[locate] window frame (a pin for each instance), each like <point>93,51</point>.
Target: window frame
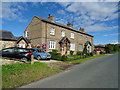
<point>81,37</point>
<point>72,46</point>
<point>72,35</point>
<point>52,31</point>
<point>63,33</point>
<point>52,45</point>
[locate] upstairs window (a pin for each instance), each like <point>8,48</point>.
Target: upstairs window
<point>86,38</point>
<point>26,34</point>
<point>52,31</point>
<point>72,35</point>
<point>81,37</point>
<point>63,33</point>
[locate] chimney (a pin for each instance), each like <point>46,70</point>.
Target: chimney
<point>51,18</point>
<point>69,24</point>
<point>81,29</point>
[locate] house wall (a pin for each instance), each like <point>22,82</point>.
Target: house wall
<point>39,32</point>
<point>6,44</point>
<point>35,31</point>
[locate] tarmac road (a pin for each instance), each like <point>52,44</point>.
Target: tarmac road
<point>97,73</point>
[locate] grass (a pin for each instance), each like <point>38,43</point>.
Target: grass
<point>85,59</point>
<point>18,74</point>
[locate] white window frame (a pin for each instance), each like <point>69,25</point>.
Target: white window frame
<point>26,33</point>
<point>72,46</point>
<point>63,33</point>
<point>71,35</point>
<point>52,31</point>
<point>52,45</point>
<point>22,45</point>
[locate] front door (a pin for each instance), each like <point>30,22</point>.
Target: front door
<point>64,45</point>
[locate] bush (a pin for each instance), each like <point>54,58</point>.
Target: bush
<point>79,53</point>
<point>55,54</point>
<point>71,52</point>
<point>54,51</point>
<point>64,58</point>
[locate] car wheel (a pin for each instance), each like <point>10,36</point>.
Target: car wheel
<point>24,59</point>
<point>38,57</point>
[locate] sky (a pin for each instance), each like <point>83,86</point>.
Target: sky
<point>99,19</point>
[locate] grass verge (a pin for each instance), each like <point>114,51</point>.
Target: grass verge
<point>85,59</point>
<point>19,74</point>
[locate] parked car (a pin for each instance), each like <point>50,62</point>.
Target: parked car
<point>40,54</point>
<point>23,54</point>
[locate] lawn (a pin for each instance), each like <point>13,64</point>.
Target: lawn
<point>19,74</point>
<point>84,59</point>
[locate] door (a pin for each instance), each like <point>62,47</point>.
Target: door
<point>8,52</point>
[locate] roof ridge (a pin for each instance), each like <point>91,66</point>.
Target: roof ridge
<point>5,31</point>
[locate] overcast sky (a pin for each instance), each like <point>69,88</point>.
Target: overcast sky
<point>99,19</point>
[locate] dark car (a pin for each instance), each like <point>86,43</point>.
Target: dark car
<point>23,54</point>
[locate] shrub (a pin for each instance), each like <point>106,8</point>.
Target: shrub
<point>54,50</point>
<point>79,53</point>
<point>64,58</point>
<point>55,54</point>
<point>71,52</point>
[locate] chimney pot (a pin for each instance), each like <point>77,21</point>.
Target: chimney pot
<point>69,24</point>
<point>81,29</point>
<point>51,18</point>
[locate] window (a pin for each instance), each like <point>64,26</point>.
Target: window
<point>81,37</point>
<point>22,50</point>
<point>52,31</point>
<point>86,38</point>
<point>26,34</point>
<point>63,33</point>
<point>72,35</point>
<point>8,50</point>
<point>22,45</point>
<point>80,47</point>
<point>52,44</point>
<point>72,46</point>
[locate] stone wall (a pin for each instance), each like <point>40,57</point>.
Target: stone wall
<point>6,44</point>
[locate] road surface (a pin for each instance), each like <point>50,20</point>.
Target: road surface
<point>97,73</point>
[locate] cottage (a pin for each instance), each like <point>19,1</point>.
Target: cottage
<point>57,36</point>
<point>7,39</point>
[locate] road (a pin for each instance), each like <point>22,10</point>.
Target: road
<point>97,73</point>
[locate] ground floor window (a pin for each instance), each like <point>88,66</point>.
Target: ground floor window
<point>72,46</point>
<point>22,45</point>
<point>52,44</point>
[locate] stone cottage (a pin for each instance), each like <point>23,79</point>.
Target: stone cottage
<point>57,36</point>
<point>7,39</point>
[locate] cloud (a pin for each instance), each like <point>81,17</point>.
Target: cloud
<point>112,34</point>
<point>114,42</point>
<point>61,12</point>
<point>92,15</point>
<point>13,11</point>
<point>100,27</point>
